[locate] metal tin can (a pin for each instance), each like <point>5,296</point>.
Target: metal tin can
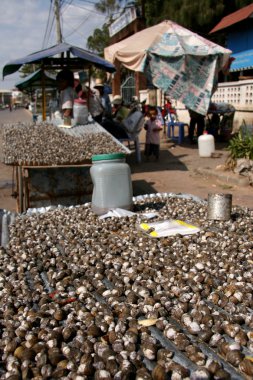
<point>219,206</point>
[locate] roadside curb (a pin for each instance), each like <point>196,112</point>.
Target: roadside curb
<point>231,178</point>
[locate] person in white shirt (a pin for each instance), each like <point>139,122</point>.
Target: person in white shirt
<point>65,79</point>
<point>153,127</point>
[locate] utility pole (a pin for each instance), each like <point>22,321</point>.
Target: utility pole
<point>57,20</point>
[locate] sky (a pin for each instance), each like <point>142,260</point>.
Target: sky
<point>23,26</point>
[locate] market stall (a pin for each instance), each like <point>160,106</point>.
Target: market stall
<point>58,57</point>
<point>52,164</point>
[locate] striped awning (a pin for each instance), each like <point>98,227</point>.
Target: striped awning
<point>242,61</point>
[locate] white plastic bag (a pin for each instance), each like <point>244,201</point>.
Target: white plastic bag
<point>95,106</point>
<point>120,213</point>
<point>168,228</point>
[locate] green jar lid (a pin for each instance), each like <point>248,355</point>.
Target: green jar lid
<point>110,156</point>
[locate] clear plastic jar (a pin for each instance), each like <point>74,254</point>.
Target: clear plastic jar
<point>112,185</point>
<point>80,112</point>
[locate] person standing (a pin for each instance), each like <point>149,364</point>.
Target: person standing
<point>104,100</point>
<point>196,119</point>
<point>153,126</point>
<point>65,79</point>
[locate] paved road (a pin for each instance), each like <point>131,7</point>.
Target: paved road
<point>176,171</point>
<point>181,170</point>
<point>15,116</point>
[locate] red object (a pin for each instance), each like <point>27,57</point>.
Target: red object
<point>168,107</point>
<point>55,296</point>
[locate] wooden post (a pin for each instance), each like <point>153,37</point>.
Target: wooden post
<point>116,80</point>
<point>20,189</point>
<point>43,95</point>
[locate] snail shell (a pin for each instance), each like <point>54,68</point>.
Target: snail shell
<point>221,374</point>
<point>86,366</point>
<point>19,352</point>
<point>46,371</point>
<point>117,345</point>
<point>59,315</point>
<point>142,374</point>
<point>201,374</point>
<point>102,374</point>
<point>112,366</point>
<point>54,356</point>
<point>241,338</point>
<point>181,341</point>
<point>41,359</point>
<point>231,329</point>
<point>224,348</point>
<point>205,335</point>
<point>59,373</point>
<point>159,373</point>
<point>164,354</point>
<point>68,333</point>
<point>94,330</point>
<point>246,366</point>
<point>149,350</point>
<point>234,357</point>
<point>212,365</point>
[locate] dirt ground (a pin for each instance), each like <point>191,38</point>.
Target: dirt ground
<point>179,170</point>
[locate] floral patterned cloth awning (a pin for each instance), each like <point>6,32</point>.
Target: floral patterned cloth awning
<point>176,60</point>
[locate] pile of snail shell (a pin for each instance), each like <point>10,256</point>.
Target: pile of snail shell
<point>44,144</point>
<point>89,298</point>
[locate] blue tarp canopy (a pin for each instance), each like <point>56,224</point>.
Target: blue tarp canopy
<point>71,56</point>
<point>34,81</point>
<point>243,61</point>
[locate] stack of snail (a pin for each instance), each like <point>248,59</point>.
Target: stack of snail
<point>45,144</point>
<point>89,298</point>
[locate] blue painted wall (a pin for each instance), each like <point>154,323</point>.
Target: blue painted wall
<point>241,39</point>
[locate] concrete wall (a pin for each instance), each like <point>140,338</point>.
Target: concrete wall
<point>239,94</point>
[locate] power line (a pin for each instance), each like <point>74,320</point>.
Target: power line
<point>87,9</point>
<point>47,27</point>
<point>63,5</point>
<point>75,30</point>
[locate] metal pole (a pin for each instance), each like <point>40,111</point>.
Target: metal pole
<point>57,19</point>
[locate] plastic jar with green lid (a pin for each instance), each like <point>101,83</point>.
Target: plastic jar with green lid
<point>112,185</point>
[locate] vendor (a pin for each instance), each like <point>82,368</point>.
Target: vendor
<point>104,101</point>
<point>65,79</point>
<point>115,126</point>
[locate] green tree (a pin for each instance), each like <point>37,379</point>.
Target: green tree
<point>99,40</point>
<point>108,6</point>
<point>200,16</point>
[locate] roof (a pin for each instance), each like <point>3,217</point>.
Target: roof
<point>83,56</point>
<point>35,79</point>
<point>233,18</point>
<point>243,61</point>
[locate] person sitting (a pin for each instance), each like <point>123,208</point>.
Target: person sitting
<point>168,106</point>
<point>104,100</point>
<point>114,125</point>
